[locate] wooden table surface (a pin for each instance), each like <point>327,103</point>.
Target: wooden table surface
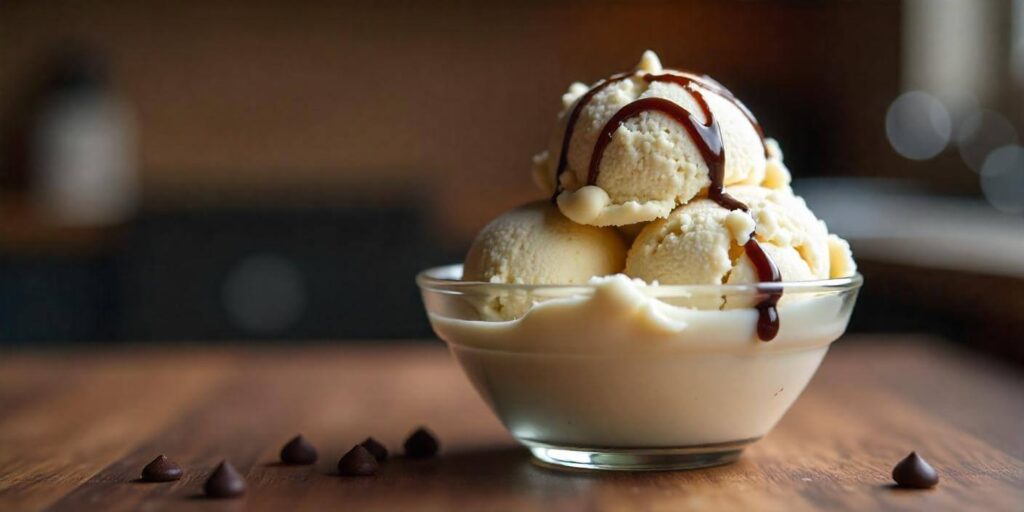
<point>77,426</point>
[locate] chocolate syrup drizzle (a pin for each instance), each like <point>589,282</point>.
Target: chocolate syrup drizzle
<point>716,87</point>
<point>570,126</point>
<point>767,272</point>
<point>708,138</point>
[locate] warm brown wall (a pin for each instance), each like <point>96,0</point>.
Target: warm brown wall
<point>257,100</point>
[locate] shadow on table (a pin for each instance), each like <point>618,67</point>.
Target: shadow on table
<point>486,474</point>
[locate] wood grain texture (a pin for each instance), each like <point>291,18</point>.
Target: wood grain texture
<point>77,427</point>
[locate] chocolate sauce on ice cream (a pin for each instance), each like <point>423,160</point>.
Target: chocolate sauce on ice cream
<point>570,126</point>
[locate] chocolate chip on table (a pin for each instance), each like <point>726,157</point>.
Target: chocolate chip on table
<point>161,469</point>
<point>298,451</point>
<point>225,482</point>
<point>379,451</point>
<point>421,444</point>
<point>915,473</point>
<point>358,462</point>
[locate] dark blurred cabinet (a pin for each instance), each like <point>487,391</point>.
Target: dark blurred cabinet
<point>57,298</point>
<point>230,275</point>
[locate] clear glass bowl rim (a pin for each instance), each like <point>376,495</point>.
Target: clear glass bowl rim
<point>438,280</point>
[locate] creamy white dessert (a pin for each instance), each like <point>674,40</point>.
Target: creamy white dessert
<point>621,368</point>
<point>672,297</point>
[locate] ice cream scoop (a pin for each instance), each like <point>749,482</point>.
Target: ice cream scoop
<point>702,243</point>
<point>536,244</point>
<point>634,146</point>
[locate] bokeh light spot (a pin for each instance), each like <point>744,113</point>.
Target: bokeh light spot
<point>1002,179</point>
<point>918,125</point>
<point>264,294</point>
<point>980,133</point>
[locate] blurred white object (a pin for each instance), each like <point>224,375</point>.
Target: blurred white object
<point>1017,42</point>
<point>84,155</point>
<point>891,222</point>
<point>951,48</point>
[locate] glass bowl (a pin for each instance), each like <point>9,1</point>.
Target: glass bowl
<point>616,374</point>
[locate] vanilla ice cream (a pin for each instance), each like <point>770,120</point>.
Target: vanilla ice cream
<point>702,243</point>
<point>683,171</point>
<point>536,244</point>
<point>652,163</point>
<point>682,250</point>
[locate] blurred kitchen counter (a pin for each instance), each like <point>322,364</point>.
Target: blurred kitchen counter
<point>78,426</point>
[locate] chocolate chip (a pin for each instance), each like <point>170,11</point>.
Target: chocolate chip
<point>298,451</point>
<point>161,469</point>
<point>421,444</point>
<point>225,482</point>
<point>379,451</point>
<point>914,472</point>
<point>358,462</point>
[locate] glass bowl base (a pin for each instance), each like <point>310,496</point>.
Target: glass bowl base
<point>638,459</point>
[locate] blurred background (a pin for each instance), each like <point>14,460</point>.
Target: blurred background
<point>281,170</point>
